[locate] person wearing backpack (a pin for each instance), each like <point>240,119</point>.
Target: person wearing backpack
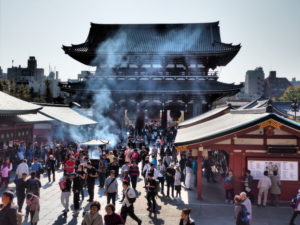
<point>247,203</point>
<point>295,203</point>
<point>127,203</point>
<point>111,188</point>
<point>33,185</point>
<point>240,212</point>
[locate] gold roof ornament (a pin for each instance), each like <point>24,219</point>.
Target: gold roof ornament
<point>270,123</point>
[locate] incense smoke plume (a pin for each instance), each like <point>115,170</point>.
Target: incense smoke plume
<point>108,53</point>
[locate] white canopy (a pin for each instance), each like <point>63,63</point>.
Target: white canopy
<point>95,142</point>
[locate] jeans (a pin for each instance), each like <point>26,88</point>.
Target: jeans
<point>130,212</point>
<point>90,186</point>
<point>21,199</point>
<point>111,196</point>
<point>170,184</point>
<point>65,196</point>
<point>134,181</point>
<point>49,171</point>
<point>101,177</point>
<point>229,194</point>
<point>151,200</point>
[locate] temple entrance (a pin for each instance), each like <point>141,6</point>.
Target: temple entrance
<point>215,168</point>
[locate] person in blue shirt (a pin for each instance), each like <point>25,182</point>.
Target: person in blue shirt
<point>37,168</point>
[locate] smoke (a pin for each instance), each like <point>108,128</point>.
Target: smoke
<point>109,58</point>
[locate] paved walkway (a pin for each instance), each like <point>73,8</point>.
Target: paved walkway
<point>209,211</point>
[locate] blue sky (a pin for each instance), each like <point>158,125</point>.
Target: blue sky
<point>268,30</point>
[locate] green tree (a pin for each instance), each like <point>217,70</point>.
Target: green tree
<point>292,93</point>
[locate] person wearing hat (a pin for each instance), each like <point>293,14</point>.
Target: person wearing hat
<point>8,211</point>
<point>50,165</point>
<point>33,205</point>
<point>247,203</point>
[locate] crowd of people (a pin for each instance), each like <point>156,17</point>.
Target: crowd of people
<point>148,153</point>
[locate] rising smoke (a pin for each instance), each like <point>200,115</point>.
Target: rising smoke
<point>108,53</point>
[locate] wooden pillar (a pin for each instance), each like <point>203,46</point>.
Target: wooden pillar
<point>199,174</point>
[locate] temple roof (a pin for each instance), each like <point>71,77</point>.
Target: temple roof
<point>194,39</point>
<point>10,105</point>
<point>66,115</point>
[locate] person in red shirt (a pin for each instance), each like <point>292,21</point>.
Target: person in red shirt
<point>69,165</point>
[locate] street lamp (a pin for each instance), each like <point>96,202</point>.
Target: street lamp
<point>295,106</point>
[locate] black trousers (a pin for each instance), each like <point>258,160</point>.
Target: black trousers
<point>90,186</point>
<point>31,217</point>
<point>295,214</point>
<point>128,211</point>
<point>76,199</point>
<point>101,177</point>
<point>111,197</point>
<point>49,171</point>
<point>162,183</point>
<point>134,181</point>
<point>170,184</point>
<point>21,199</point>
<point>151,200</point>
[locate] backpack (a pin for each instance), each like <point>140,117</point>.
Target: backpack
<point>243,215</point>
<point>62,184</point>
<point>33,185</point>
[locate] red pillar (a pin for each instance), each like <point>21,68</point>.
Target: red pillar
<point>199,175</point>
<point>237,165</point>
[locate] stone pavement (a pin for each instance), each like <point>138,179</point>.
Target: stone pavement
<point>209,211</point>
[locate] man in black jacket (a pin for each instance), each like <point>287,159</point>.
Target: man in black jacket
<point>21,190</point>
<point>170,177</point>
<point>91,176</point>
<point>50,164</point>
<point>77,186</point>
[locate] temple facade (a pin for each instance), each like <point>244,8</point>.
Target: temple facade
<point>154,69</point>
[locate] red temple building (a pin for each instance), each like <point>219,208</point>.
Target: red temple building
<point>257,136</point>
<point>154,67</point>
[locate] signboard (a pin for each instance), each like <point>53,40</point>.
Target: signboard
<point>287,170</point>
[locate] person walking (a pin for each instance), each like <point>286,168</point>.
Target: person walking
<point>296,208</point>
<point>134,173</point>
<point>91,176</point>
<point>4,175</point>
<point>93,217</point>
<point>37,168</point>
<point>21,191</point>
<point>151,187</point>
<point>263,186</point>
<point>111,217</point>
<point>240,212</point>
<point>50,165</point>
<point>186,218</point>
<point>127,203</point>
<point>229,189</point>
<point>247,203</point>
<point>177,182</point>
<point>102,171</point>
<point>65,186</point>
<point>33,205</point>
<point>111,188</point>
<point>161,169</point>
<point>22,168</point>
<point>77,186</point>
<point>82,175</point>
<point>33,185</point>
<point>170,177</point>
<point>275,189</point>
<point>182,164</point>
<point>8,210</point>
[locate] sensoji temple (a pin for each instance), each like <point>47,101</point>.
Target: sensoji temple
<point>257,136</point>
<point>155,67</point>
<point>21,121</point>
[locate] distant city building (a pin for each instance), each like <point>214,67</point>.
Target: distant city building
<point>34,77</point>
<point>295,82</point>
<point>275,86</point>
<point>254,82</point>
<point>2,74</point>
